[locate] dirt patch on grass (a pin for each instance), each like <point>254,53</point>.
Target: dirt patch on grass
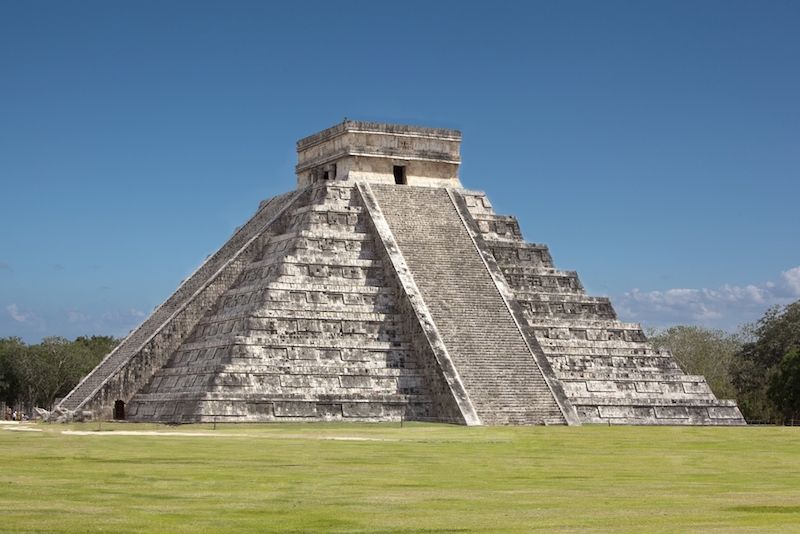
<point>213,435</point>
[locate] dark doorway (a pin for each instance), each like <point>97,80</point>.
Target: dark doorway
<point>400,174</point>
<point>119,410</point>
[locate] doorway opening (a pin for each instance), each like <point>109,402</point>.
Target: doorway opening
<point>329,173</point>
<point>400,175</point>
<point>119,410</point>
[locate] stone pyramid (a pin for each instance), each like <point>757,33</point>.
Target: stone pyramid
<point>380,290</point>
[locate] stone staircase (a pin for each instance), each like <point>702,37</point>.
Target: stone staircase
<point>487,347</point>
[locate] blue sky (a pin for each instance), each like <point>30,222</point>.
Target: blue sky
<point>654,146</point>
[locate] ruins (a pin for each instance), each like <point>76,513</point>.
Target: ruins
<point>381,289</point>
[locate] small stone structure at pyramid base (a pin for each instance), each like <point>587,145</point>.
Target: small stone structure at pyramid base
<point>381,290</point>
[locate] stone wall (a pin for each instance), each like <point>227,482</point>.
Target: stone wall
<point>368,151</point>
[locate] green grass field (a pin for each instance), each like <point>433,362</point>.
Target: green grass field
<point>367,478</point>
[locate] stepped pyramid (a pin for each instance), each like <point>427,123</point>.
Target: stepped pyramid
<point>381,289</point>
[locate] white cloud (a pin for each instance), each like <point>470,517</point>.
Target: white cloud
<point>19,315</point>
<point>726,307</point>
<point>792,280</point>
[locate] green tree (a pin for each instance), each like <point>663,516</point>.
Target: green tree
<point>784,386</point>
<point>9,381</point>
<point>35,375</point>
<point>701,351</point>
<point>763,368</point>
<point>45,369</point>
<point>55,366</point>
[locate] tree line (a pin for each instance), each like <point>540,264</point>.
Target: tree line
<point>37,375</point>
<point>758,366</point>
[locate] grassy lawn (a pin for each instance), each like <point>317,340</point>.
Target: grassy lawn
<point>364,478</point>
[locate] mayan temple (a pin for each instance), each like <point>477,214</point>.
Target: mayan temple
<point>381,289</point>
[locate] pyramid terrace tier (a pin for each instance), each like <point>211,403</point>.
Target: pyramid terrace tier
<point>540,307</point>
<point>718,413</point>
<point>542,280</point>
<point>275,380</point>
<point>318,244</point>
<point>260,408</point>
<point>500,228</point>
<point>645,388</point>
<point>521,254</point>
<point>348,346</point>
<point>302,324</point>
<point>297,296</point>
<point>281,356</point>
<point>587,328</point>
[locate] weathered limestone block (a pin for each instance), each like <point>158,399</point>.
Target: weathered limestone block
<point>295,409</point>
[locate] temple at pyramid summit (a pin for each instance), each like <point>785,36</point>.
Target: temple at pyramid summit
<point>381,289</point>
